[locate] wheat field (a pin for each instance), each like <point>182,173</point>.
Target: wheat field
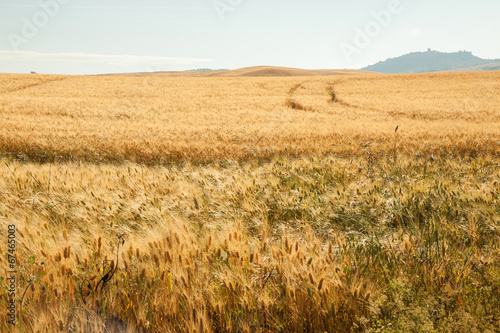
<point>170,120</point>
<point>345,203</point>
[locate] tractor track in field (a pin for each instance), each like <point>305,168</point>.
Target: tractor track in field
<point>292,103</point>
<point>27,86</point>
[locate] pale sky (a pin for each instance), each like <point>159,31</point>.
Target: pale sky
<point>112,36</point>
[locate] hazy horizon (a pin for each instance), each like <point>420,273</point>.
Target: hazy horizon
<point>76,37</point>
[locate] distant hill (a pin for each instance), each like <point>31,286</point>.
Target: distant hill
<point>284,71</point>
<point>491,66</point>
<point>430,61</point>
<point>206,70</point>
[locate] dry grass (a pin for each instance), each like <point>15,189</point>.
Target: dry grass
<point>294,245</point>
<point>253,204</point>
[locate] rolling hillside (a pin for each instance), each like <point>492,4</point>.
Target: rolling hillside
<point>492,66</point>
<point>262,71</point>
<point>257,71</point>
